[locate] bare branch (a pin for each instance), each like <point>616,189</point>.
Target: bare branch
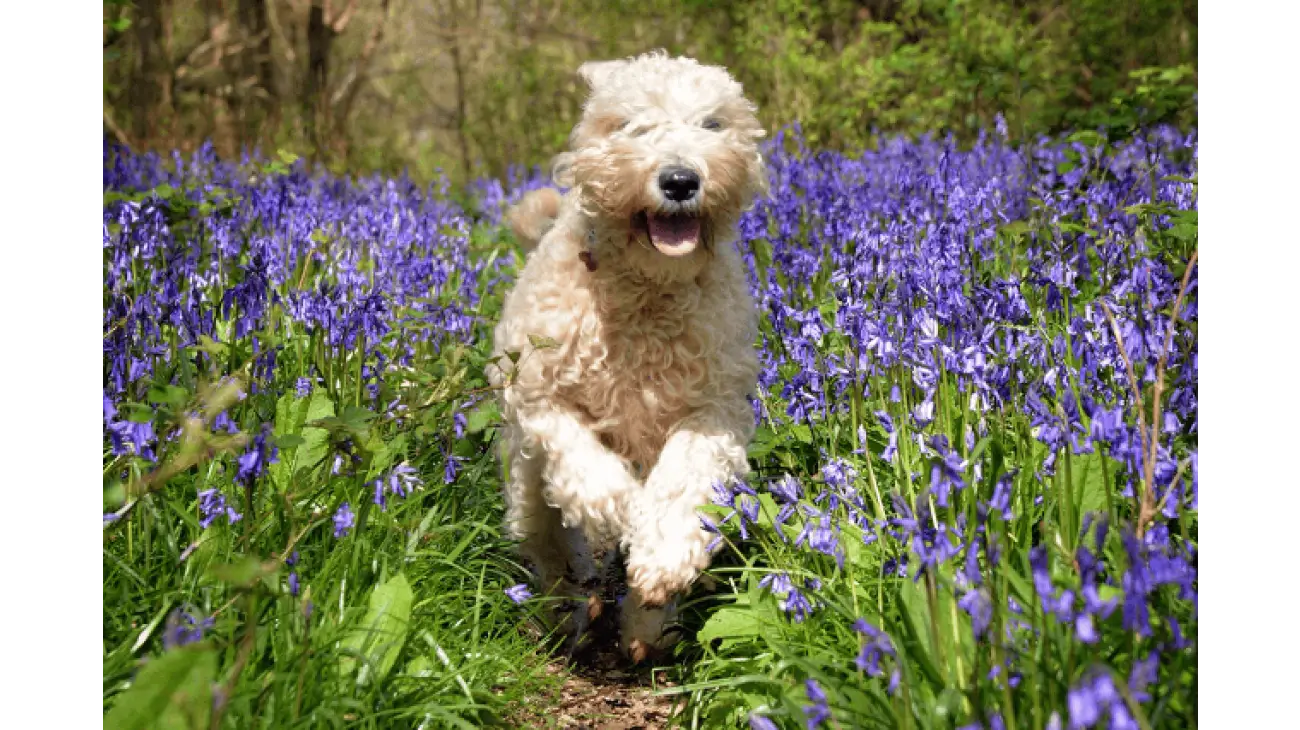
<point>347,92</point>
<point>340,23</point>
<point>117,132</point>
<point>273,19</point>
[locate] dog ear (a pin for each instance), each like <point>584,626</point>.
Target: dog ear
<point>598,73</point>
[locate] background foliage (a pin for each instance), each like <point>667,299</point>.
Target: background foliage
<point>474,86</point>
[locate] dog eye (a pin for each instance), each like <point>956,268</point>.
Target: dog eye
<point>712,124</point>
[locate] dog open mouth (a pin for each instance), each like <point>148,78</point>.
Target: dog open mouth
<point>672,234</point>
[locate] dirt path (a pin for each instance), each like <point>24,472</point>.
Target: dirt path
<point>601,689</point>
<point>616,697</point>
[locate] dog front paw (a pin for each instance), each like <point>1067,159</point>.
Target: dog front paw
<point>657,584</point>
<point>595,504</point>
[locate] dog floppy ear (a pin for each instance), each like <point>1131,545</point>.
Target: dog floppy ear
<point>598,73</point>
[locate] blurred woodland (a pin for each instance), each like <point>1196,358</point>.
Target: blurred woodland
<point>474,86</point>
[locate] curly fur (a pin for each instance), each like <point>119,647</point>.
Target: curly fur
<point>628,398</point>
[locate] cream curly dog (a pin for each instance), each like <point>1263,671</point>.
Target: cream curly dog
<point>634,332</point>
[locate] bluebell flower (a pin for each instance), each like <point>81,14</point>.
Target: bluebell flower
<point>344,520</point>
<point>519,593</point>
<point>818,711</point>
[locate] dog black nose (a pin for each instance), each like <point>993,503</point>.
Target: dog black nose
<point>679,184</point>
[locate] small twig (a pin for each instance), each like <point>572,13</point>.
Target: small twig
<point>339,24</point>
<point>1144,516</point>
<point>117,131</point>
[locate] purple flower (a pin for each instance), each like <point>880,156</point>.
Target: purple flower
<point>795,604</point>
<point>184,627</point>
<point>253,462</point>
<point>1094,698</point>
<point>212,505</point>
<point>818,711</point>
<point>519,593</point>
<point>302,387</point>
<point>344,520</point>
<point>293,583</point>
<point>758,722</point>
<point>875,646</point>
<point>786,489</point>
<point>976,602</point>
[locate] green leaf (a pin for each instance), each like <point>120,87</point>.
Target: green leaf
<point>420,667</point>
<point>482,417</point>
<point>172,691</point>
<point>916,608</point>
<point>211,346</point>
<point>801,432</point>
<point>730,624</point>
<point>1089,486</point>
<point>1014,229</point>
<point>762,444</point>
<point>316,444</point>
<point>320,407</point>
<point>137,412</point>
<point>768,510</point>
<point>542,343</point>
<point>168,395</point>
<point>244,572</point>
<point>289,441</point>
<point>1087,137</point>
<point>379,638</point>
<point>356,417</point>
<point>1183,231</point>
<point>315,440</point>
<point>387,454</point>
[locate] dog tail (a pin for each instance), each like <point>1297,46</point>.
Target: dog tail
<point>534,216</point>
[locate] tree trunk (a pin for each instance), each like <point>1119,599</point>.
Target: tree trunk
<point>257,56</point>
<point>150,88</point>
<point>458,68</point>
<point>320,37</point>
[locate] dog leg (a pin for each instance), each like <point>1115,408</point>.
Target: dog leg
<point>559,557</point>
<point>668,546</point>
<point>583,479</point>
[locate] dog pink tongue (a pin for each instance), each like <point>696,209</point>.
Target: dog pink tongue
<point>674,235</point>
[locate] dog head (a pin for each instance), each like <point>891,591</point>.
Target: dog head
<point>666,155</point>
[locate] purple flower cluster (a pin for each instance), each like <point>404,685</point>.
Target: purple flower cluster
<point>959,352</point>
<point>185,627</point>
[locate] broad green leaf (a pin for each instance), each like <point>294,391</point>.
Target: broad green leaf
<point>1183,231</point>
<point>137,412</point>
<point>316,440</point>
<point>1089,486</point>
<point>482,417</point>
<point>729,624</point>
<point>356,416</point>
<point>378,639</point>
<point>289,441</point>
<point>316,444</point>
<point>172,691</point>
<point>320,407</point>
<point>168,395</point>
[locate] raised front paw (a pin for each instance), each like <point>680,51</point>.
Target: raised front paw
<point>661,576</point>
<point>594,502</point>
